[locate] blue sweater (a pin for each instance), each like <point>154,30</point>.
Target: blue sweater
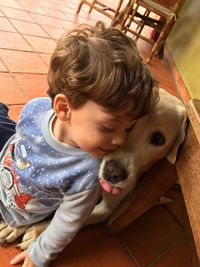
<point>40,175</point>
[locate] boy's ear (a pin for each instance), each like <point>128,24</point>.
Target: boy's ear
<point>62,107</point>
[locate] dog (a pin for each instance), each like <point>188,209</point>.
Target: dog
<point>153,137</point>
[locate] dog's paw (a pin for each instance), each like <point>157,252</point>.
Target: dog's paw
<point>32,234</point>
<point>9,234</point>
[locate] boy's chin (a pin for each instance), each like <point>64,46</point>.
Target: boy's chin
<point>99,153</point>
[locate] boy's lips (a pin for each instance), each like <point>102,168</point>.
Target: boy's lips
<point>109,188</point>
<point>107,150</point>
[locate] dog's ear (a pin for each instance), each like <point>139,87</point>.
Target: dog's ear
<point>172,155</point>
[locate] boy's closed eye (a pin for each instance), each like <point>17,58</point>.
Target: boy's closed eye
<point>129,129</point>
<point>130,126</point>
<point>106,129</point>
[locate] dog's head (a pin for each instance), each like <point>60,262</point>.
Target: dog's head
<point>153,137</point>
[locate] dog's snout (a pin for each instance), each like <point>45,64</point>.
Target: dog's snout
<point>114,171</point>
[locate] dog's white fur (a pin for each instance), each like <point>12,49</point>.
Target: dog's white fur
<point>137,155</point>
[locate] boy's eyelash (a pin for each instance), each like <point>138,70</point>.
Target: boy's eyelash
<point>106,129</point>
<point>129,129</point>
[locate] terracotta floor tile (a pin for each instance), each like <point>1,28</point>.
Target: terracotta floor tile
<point>14,111</point>
<point>150,229</point>
<point>67,9</point>
<point>3,67</point>
<point>6,254</point>
<point>6,26</point>
<point>46,20</point>
<point>92,247</point>
<point>9,91</point>
<point>49,4</point>
<point>176,209</point>
<point>12,40</point>
<point>72,21</point>
<point>32,6</point>
<point>34,85</point>
<point>16,14</point>
<point>29,28</point>
<point>178,256</point>
<point>68,24</point>
<point>65,5</point>
<point>166,83</point>
<point>54,13</point>
<point>41,44</point>
<point>10,3</point>
<point>46,58</point>
<point>54,32</point>
<point>32,63</point>
<point>1,14</point>
<point>94,14</point>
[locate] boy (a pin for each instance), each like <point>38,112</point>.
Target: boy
<point>98,86</point>
<point>7,126</point>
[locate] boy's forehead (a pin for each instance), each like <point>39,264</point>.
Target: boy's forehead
<point>117,117</point>
<point>124,112</point>
<point>103,114</point>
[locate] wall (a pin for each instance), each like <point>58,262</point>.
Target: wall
<point>184,45</point>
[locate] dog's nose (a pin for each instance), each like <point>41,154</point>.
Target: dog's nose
<point>114,171</point>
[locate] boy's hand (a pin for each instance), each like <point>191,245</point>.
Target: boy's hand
<point>23,257</point>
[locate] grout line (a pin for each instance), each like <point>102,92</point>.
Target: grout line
<point>9,19</point>
<point>24,93</point>
<point>174,217</point>
<point>123,244</point>
<point>18,104</point>
<point>28,51</point>
<point>167,249</point>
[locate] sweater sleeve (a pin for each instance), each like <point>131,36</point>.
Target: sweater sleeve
<point>67,221</point>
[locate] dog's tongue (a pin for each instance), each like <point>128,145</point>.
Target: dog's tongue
<point>109,188</point>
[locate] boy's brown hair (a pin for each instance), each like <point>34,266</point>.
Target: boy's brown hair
<point>102,65</point>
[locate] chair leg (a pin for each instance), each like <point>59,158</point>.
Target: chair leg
<point>79,6</point>
<point>129,18</point>
<point>92,5</point>
<point>117,9</point>
<point>161,39</point>
<point>142,25</point>
<point>151,186</point>
<point>126,13</point>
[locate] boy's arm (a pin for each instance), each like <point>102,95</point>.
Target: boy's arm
<point>67,221</point>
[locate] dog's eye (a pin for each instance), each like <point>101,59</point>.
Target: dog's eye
<point>157,138</point>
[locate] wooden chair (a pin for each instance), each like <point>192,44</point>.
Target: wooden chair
<point>160,15</point>
<point>101,7</point>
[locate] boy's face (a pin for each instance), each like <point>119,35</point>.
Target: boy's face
<point>93,130</point>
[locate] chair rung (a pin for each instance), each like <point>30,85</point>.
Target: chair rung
<point>139,35</point>
<point>150,21</point>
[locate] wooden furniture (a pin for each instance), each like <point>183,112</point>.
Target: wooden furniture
<point>188,170</point>
<point>162,176</point>
<point>110,12</point>
<point>160,15</point>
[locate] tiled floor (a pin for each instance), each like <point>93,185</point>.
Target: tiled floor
<point>28,32</point>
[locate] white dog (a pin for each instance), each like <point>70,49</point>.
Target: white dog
<point>153,137</point>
